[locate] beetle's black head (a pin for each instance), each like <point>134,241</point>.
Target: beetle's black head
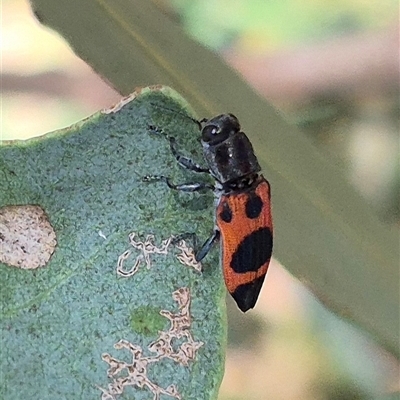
<point>227,150</point>
<point>219,128</point>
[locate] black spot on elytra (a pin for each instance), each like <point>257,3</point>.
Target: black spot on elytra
<point>226,213</point>
<point>254,206</point>
<point>246,295</point>
<point>253,251</point>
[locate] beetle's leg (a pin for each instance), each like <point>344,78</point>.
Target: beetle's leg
<point>184,187</point>
<point>182,160</point>
<point>207,245</point>
<point>205,248</point>
<point>185,161</point>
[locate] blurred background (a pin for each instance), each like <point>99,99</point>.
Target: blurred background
<point>331,68</point>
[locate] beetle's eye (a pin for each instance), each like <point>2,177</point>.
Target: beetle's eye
<point>209,133</point>
<point>214,134</point>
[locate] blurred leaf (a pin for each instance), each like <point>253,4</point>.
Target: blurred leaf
<point>276,23</point>
<point>58,320</point>
<point>325,233</point>
<point>390,396</point>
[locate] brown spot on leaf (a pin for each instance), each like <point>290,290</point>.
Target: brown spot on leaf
<point>27,239</point>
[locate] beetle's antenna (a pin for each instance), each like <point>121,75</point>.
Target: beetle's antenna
<point>196,121</point>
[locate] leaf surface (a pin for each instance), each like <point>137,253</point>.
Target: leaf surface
<point>60,322</point>
<point>325,233</point>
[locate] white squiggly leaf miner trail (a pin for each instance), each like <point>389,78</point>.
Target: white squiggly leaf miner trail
<point>134,373</point>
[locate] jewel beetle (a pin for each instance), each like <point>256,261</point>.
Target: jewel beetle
<point>243,220</point>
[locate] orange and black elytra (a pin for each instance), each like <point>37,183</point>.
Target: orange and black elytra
<point>243,221</point>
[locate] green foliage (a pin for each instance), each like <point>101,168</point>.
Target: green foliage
<point>275,23</point>
<point>325,233</point>
<point>57,321</point>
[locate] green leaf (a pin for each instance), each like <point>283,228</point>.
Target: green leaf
<point>325,233</point>
<point>60,322</point>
